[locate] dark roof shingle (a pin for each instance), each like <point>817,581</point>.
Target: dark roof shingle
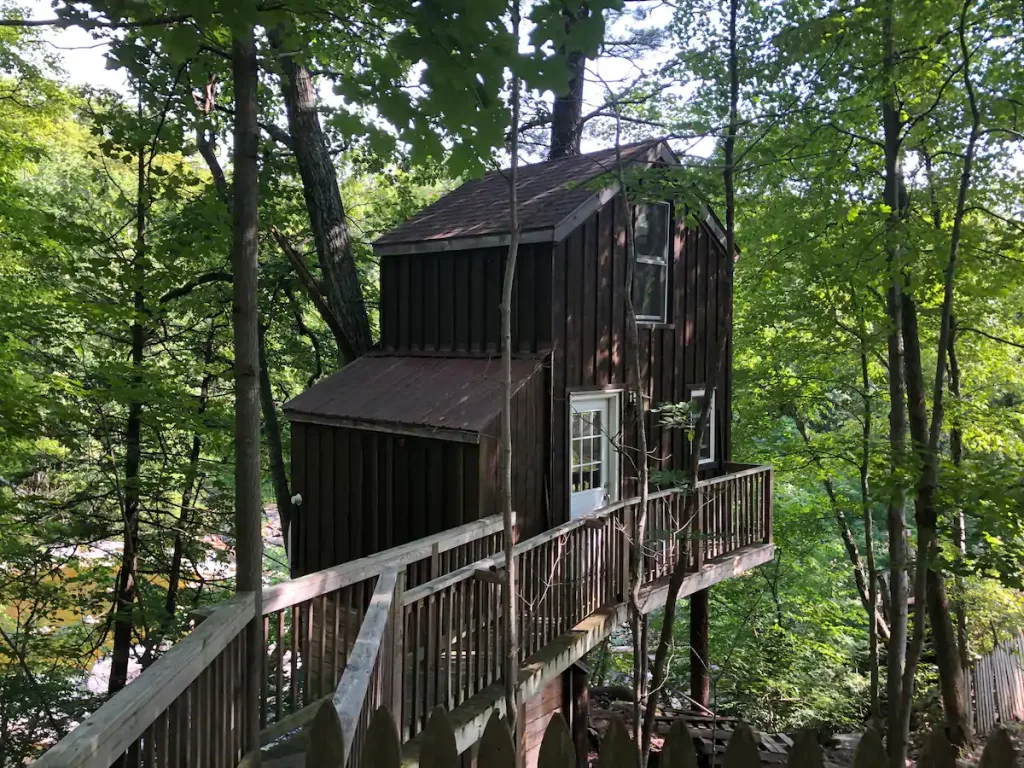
<point>462,394</point>
<point>548,193</point>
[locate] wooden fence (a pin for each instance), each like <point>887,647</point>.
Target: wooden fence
<point>998,683</point>
<point>381,748</point>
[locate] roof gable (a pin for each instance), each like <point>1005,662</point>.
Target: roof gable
<point>553,197</point>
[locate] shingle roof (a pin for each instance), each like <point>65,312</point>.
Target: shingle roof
<point>462,394</point>
<point>548,192</point>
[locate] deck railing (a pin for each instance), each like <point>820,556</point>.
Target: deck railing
<point>439,642</point>
<point>311,623</point>
<point>187,708</point>
<point>453,644</point>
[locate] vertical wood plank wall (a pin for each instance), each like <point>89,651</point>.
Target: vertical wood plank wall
<point>448,302</point>
<point>589,344</point>
<point>537,713</point>
<point>365,491</point>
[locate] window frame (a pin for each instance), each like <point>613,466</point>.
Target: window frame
<point>662,261</point>
<point>611,463</point>
<point>712,416</point>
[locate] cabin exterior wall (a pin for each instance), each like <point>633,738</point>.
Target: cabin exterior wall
<point>569,307</point>
<point>590,345</point>
<point>365,491</point>
<point>447,302</point>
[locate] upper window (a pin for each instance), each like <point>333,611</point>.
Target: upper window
<point>650,278</point>
<point>707,442</point>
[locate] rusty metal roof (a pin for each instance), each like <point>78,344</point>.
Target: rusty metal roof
<point>548,193</point>
<point>432,393</point>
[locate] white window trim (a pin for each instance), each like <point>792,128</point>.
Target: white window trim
<point>613,464</point>
<point>711,420</point>
<point>663,262</point>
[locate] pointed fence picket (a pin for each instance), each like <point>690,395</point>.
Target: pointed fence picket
<point>381,748</point>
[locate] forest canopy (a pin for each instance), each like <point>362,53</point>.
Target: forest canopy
<point>866,155</point>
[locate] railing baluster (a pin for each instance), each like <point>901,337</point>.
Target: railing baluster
<point>293,682</point>
<point>431,657</point>
<point>264,682</point>
<point>279,663</point>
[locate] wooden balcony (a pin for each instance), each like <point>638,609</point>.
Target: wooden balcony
<point>416,627</point>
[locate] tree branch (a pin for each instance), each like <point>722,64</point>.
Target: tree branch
<point>217,276</point>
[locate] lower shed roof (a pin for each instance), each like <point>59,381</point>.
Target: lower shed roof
<point>453,398</point>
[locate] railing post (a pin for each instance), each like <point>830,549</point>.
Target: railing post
<point>398,649</point>
<point>769,534</point>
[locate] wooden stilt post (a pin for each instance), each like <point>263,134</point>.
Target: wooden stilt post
<point>700,678</point>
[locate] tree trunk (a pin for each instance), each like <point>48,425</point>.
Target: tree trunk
<point>898,730</point>
<point>637,525</point>
<point>275,453</point>
<point>245,318</point>
<point>511,610</point>
<point>700,671</point>
<point>869,523</point>
<point>567,110</point>
<point>325,207</point>
<point>926,434</point>
<point>716,365</point>
<point>125,591</point>
<point>947,658</point>
<point>956,452</point>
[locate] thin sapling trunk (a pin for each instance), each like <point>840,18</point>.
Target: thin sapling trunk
<point>510,622</point>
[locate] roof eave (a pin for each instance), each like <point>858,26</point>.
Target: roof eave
<point>545,235</point>
<point>393,428</point>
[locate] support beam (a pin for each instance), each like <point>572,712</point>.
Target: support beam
<point>700,677</point>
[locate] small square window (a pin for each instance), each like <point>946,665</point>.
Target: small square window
<point>650,277</point>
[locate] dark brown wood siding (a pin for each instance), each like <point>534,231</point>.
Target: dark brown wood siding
<point>529,450</point>
<point>365,491</point>
<point>447,302</point>
<point>529,447</point>
<point>590,346</point>
<point>536,714</point>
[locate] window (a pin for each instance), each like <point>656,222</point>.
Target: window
<point>593,460</point>
<point>707,443</point>
<point>650,278</point>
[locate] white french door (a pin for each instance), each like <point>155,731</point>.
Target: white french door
<point>593,460</point>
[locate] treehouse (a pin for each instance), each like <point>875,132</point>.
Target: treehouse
<point>404,442</point>
<point>395,541</point>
